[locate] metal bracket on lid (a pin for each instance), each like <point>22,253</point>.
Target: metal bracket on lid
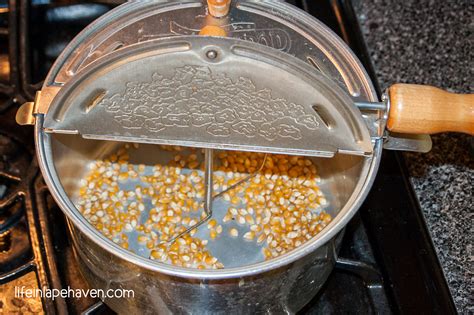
<point>376,114</point>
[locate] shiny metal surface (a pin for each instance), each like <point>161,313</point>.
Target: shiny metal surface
<point>271,23</point>
<point>73,155</point>
<point>371,106</point>
<point>230,102</point>
<point>284,290</point>
<point>407,142</point>
<point>279,285</point>
<point>293,278</point>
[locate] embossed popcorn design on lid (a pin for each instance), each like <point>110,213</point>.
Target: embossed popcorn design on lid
<point>197,97</point>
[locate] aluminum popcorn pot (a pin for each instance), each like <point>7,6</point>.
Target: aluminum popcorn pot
<point>134,32</point>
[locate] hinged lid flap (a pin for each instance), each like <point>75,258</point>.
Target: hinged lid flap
<point>211,93</point>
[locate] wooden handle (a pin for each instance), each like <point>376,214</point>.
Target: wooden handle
<point>425,109</point>
<point>218,8</point>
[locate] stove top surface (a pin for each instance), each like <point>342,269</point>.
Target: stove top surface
<point>386,262</point>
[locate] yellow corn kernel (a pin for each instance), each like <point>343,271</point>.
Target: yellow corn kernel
<point>249,236</point>
<point>213,234</point>
<point>154,254</point>
<point>267,253</point>
<point>211,224</point>
<point>234,232</point>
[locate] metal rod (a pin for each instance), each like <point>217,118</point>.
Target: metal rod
<point>208,198</point>
<point>371,105</point>
<point>240,182</point>
<point>209,187</point>
<point>208,180</point>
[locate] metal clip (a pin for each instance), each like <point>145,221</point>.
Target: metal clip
<point>24,115</point>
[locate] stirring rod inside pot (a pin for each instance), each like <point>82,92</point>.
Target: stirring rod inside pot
<point>208,181</point>
<point>208,186</point>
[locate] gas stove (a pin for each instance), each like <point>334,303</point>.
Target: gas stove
<point>386,264</point>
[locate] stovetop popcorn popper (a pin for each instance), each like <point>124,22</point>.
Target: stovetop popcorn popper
<point>248,76</point>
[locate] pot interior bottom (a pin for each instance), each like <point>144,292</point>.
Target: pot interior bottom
<point>141,196</point>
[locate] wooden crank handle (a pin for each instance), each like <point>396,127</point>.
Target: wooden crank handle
<point>218,8</point>
<point>421,109</point>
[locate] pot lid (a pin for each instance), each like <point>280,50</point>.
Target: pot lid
<point>276,24</point>
<point>209,92</point>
